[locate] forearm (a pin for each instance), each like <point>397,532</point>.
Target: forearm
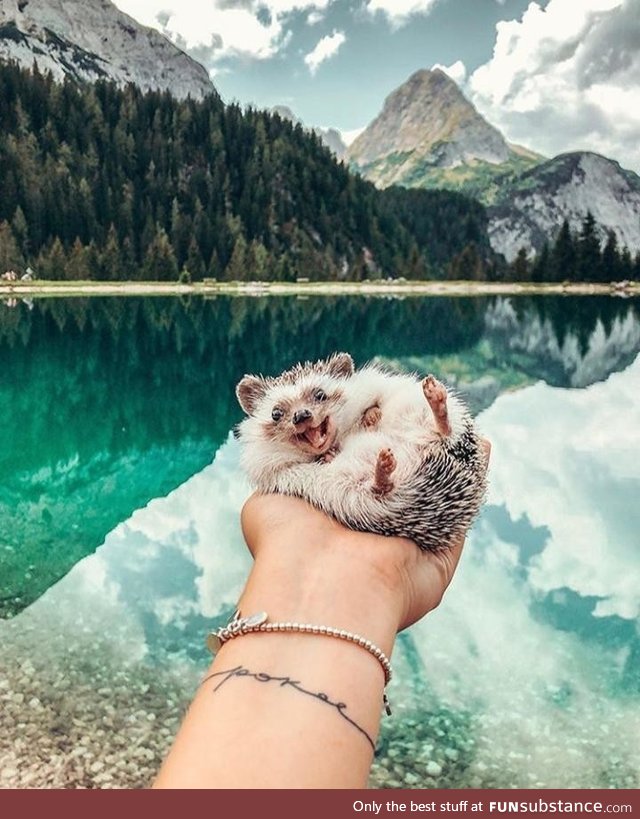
<point>242,733</point>
<point>289,710</point>
<point>258,720</point>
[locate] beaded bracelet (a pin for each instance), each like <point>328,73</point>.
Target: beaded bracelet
<point>257,623</point>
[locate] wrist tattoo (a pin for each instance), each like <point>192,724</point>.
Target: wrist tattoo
<point>286,682</point>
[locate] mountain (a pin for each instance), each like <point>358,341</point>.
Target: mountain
<point>429,135</point>
<point>527,340</point>
<point>531,209</point>
<point>93,188</point>
<point>330,136</point>
<point>91,40</point>
<point>566,351</point>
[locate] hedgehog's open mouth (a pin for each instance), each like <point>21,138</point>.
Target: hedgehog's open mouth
<point>318,437</point>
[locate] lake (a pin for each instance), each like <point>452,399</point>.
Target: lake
<point>120,545</point>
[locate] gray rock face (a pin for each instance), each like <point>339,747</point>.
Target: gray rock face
<point>533,209</point>
<point>91,40</point>
<point>430,119</point>
<point>563,362</point>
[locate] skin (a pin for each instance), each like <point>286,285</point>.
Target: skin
<point>307,569</point>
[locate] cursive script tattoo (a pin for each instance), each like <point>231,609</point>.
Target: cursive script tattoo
<point>286,682</point>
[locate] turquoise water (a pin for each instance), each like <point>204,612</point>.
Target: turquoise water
<point>120,546</point>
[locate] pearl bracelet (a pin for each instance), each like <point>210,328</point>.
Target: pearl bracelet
<point>257,623</point>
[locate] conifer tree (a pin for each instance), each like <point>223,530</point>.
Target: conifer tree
<point>588,261</point>
<point>563,256</point>
<point>611,263</point>
<point>194,263</point>
<point>214,269</point>
<point>20,231</point>
<point>53,262</point>
<point>111,257</point>
<point>540,269</point>
<point>10,256</point>
<point>237,268</point>
<point>257,261</point>
<point>78,263</point>
<point>415,268</point>
<point>467,265</point>
<point>626,264</point>
<point>131,270</point>
<point>520,266</point>
<point>160,262</point>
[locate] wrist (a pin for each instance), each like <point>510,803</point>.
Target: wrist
<point>329,584</point>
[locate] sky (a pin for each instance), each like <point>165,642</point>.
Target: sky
<point>553,75</point>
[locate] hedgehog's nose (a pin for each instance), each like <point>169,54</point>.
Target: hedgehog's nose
<point>300,416</point>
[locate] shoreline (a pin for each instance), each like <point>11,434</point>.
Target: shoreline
<point>378,288</point>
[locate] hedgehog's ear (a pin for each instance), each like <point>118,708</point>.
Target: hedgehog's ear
<point>249,391</point>
<point>340,365</point>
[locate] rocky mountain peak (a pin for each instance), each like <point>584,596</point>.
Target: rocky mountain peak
<point>91,40</point>
<point>427,121</point>
<point>532,209</point>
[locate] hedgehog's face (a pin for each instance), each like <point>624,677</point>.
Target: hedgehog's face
<point>299,409</point>
<point>304,416</point>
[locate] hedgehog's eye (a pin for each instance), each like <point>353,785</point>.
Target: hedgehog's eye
<point>277,413</point>
<point>320,395</point>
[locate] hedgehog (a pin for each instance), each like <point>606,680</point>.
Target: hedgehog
<point>379,451</point>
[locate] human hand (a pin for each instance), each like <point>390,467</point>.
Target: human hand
<point>325,570</point>
<point>299,710</point>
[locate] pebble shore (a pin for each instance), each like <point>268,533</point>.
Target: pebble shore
<point>83,717</point>
<point>60,730</point>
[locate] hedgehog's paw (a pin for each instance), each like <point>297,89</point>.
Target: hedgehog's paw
<point>371,417</point>
<point>385,467</point>
<point>436,395</point>
<point>327,456</point>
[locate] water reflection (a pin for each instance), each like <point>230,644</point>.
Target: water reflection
<point>540,632</point>
<point>568,461</point>
<point>529,675</point>
<point>114,402</point>
<point>567,343</point>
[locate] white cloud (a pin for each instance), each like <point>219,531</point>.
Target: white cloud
<point>567,78</point>
<point>457,71</point>
<point>398,11</point>
<point>220,29</point>
<point>485,649</point>
<point>561,461</point>
<point>201,519</point>
<point>287,6</point>
<point>208,31</point>
<point>326,48</point>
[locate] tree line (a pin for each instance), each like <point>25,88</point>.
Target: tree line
<point>107,183</point>
<point>578,255</point>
